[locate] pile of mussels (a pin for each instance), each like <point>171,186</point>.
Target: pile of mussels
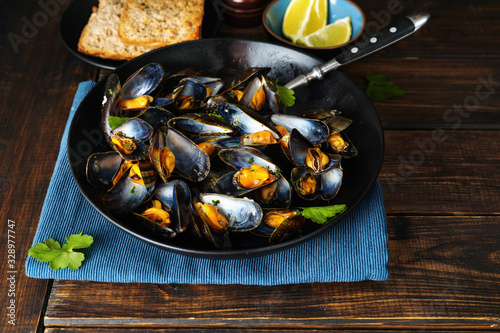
<point>192,152</point>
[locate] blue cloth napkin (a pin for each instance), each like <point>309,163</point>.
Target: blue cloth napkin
<point>355,249</point>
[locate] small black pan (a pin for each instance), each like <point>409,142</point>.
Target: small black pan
<point>219,57</point>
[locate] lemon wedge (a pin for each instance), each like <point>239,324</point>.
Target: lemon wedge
<point>303,17</point>
<point>336,33</point>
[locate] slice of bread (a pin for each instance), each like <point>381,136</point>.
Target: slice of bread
<point>146,22</point>
<point>100,38</point>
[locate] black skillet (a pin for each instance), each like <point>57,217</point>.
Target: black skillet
<point>221,56</point>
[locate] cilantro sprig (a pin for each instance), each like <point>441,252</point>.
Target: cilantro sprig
<point>62,256</point>
<point>379,89</point>
<point>321,215</point>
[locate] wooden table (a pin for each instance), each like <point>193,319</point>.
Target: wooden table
<point>440,179</point>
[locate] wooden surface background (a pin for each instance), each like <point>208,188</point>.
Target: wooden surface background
<point>443,210</point>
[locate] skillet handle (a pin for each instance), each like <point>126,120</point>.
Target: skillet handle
<point>383,38</point>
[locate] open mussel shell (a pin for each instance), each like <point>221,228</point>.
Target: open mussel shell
<point>157,117</point>
<point>246,121</point>
<point>177,196</point>
<point>196,125</point>
<point>339,143</point>
<point>149,175</point>
<point>193,88</point>
<point>243,157</point>
<point>315,131</point>
<point>171,82</point>
<point>280,224</point>
<point>288,228</point>
<point>156,151</point>
<point>312,186</point>
<point>299,149</point>
<point>242,214</point>
<point>272,95</point>
<point>189,96</point>
<point>102,168</point>
<point>110,102</point>
<point>159,229</point>
<point>207,144</point>
<point>227,142</point>
<point>218,240</point>
<point>242,79</point>
<point>248,160</point>
<point>139,151</point>
<point>134,128</point>
<point>332,118</point>
<point>143,82</point>
<point>127,194</point>
<point>261,94</point>
<point>227,185</point>
<point>191,162</point>
<point>128,138</point>
<point>275,195</point>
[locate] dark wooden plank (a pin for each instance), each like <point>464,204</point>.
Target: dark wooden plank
<point>441,172</point>
<point>450,32</point>
<point>439,280</point>
<point>39,79</point>
<point>437,93</point>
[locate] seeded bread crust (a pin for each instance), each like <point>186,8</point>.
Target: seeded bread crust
<point>146,22</point>
<point>100,38</point>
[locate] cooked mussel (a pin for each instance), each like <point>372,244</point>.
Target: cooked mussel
<point>315,131</point>
<point>245,121</point>
<point>304,154</point>
<point>172,152</point>
<point>196,125</point>
<point>128,193</point>
<point>241,214</point>
<point>254,170</point>
<point>176,196</point>
<point>280,224</point>
<point>102,168</point>
<point>312,186</point>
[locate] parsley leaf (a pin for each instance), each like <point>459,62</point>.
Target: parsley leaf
<point>215,202</point>
<point>286,95</point>
<point>61,257</point>
<point>321,215</point>
<point>250,160</point>
<point>114,122</point>
<point>379,89</point>
<point>217,117</point>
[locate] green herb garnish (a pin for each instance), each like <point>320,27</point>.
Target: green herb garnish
<point>217,117</point>
<point>250,161</point>
<point>114,121</point>
<point>61,257</point>
<point>321,215</point>
<point>287,97</point>
<point>278,172</point>
<point>379,89</point>
<point>215,202</point>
